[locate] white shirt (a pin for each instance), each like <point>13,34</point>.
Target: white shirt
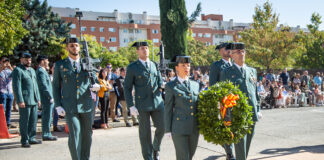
<point>239,67</point>
<point>227,61</point>
<point>182,80</point>
<point>77,63</point>
<point>148,63</point>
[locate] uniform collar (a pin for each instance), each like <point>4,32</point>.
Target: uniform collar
<point>182,80</point>
<point>239,67</point>
<point>226,62</point>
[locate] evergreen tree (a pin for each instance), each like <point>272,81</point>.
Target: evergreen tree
<point>174,26</point>
<point>44,27</point>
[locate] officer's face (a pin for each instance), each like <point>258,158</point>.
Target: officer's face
<point>183,69</point>
<point>73,48</point>
<point>143,52</point>
<point>46,63</point>
<point>27,62</point>
<point>224,53</point>
<point>238,55</point>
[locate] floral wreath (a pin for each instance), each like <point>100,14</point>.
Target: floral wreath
<point>224,114</point>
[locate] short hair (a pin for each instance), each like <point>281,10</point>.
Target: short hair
<point>122,69</point>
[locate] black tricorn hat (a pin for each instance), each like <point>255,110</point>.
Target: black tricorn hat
<point>41,57</point>
<point>138,44</point>
<point>222,45</point>
<point>25,55</point>
<point>235,45</point>
<point>71,40</point>
<point>182,59</point>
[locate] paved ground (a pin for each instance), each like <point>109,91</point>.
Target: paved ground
<point>282,134</point>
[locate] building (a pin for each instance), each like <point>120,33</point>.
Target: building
<point>117,29</point>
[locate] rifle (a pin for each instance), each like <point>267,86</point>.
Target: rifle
<point>162,66</point>
<point>88,63</point>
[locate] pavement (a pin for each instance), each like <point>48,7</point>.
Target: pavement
<point>282,134</point>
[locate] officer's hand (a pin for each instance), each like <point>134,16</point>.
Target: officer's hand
<point>52,101</point>
<point>39,105</point>
<point>60,111</point>
<point>22,105</point>
<point>168,135</point>
<point>259,115</point>
<point>133,111</point>
<point>95,87</point>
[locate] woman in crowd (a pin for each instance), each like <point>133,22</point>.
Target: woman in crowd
<point>104,97</point>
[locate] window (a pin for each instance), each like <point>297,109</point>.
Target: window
<point>138,31</point>
<point>112,29</point>
<point>219,36</point>
<point>126,40</point>
<point>112,39</point>
<point>73,26</point>
<point>155,40</point>
<point>130,30</point>
<point>207,35</point>
<point>207,43</point>
<point>199,34</point>
<point>193,34</point>
<point>125,30</point>
<point>155,31</point>
<point>93,29</point>
<point>101,29</point>
<point>102,39</point>
<point>114,49</point>
<point>83,28</point>
<point>73,35</point>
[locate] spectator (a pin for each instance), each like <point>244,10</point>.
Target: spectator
<point>112,93</point>
<point>6,93</point>
<point>318,80</point>
<point>318,95</point>
<point>270,76</point>
<point>120,86</point>
<point>297,80</point>
<point>301,97</point>
<point>306,78</point>
<point>104,98</point>
<point>285,78</point>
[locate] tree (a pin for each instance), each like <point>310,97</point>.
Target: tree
<point>313,57</point>
<point>42,25</point>
<point>266,45</point>
<point>201,55</point>
<point>174,26</point>
<point>11,30</point>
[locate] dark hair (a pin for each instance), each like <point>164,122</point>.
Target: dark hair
<point>122,69</point>
<point>100,74</point>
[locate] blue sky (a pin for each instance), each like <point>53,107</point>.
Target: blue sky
<point>291,12</point>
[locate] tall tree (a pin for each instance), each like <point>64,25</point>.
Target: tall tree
<point>267,46</point>
<point>313,57</point>
<point>174,26</point>
<point>11,30</point>
<point>43,25</point>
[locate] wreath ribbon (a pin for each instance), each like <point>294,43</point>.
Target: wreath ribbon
<point>228,102</point>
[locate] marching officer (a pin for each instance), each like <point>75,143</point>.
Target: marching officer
<point>214,77</point>
<point>46,95</point>
<point>25,87</point>
<point>145,77</point>
<point>72,92</point>
<point>180,110</point>
<point>246,77</point>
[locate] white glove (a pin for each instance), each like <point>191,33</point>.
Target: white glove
<point>52,101</point>
<point>259,115</point>
<point>133,111</point>
<point>168,135</point>
<point>60,111</point>
<point>95,87</point>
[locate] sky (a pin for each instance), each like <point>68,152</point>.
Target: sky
<point>291,12</point>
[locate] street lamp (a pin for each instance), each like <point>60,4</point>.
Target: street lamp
<point>79,14</point>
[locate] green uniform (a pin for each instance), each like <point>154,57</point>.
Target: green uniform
<point>26,90</point>
<point>46,95</point>
<point>181,103</point>
<point>214,76</point>
<point>71,89</point>
<point>246,78</point>
<point>147,82</point>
